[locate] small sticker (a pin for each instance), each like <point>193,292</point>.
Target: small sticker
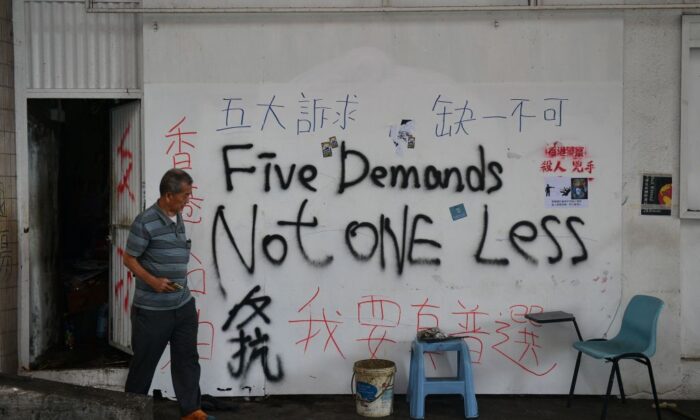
<point>326,149</point>
<point>458,212</point>
<point>566,192</point>
<point>402,136</point>
<point>579,188</point>
<point>657,194</point>
<point>333,141</point>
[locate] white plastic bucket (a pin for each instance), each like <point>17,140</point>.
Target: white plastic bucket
<point>373,387</point>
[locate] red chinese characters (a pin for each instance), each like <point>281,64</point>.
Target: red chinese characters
<point>125,154</point>
<point>425,320</point>
<point>380,315</point>
<point>511,337</point>
<point>180,149</point>
<point>314,326</point>
<point>470,331</point>
<point>181,158</point>
<point>122,290</point>
<point>560,158</point>
<point>197,277</point>
<point>521,349</point>
<point>191,212</point>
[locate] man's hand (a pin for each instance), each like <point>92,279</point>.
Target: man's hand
<point>163,285</point>
<point>159,284</point>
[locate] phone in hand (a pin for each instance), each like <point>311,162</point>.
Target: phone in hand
<point>175,285</point>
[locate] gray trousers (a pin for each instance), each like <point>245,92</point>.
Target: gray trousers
<point>150,333</point>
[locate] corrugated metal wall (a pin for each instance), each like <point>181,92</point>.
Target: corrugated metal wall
<point>71,49</point>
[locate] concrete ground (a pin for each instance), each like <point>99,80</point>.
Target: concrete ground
<point>31,398</point>
<point>341,407</point>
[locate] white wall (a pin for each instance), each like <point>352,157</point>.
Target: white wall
<point>659,253</point>
<point>340,285</point>
<point>274,49</point>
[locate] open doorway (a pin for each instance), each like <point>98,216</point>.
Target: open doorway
<point>70,189</point>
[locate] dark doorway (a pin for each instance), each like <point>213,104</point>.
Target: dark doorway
<point>69,165</point>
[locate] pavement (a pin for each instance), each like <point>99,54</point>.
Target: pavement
<point>491,407</point>
<point>23,397</point>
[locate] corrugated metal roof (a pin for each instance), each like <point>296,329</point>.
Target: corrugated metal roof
<point>68,48</point>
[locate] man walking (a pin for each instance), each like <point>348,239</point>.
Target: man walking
<point>163,310</point>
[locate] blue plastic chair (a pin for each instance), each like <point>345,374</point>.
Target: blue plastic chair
<point>419,386</point>
<point>636,340</point>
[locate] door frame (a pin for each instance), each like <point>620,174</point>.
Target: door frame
<point>22,94</point>
<point>25,358</point>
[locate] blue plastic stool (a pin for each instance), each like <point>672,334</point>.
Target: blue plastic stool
<point>419,386</point>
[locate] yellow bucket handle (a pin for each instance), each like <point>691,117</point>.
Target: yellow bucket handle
<point>359,397</point>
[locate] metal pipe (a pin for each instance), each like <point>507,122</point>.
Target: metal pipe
<point>534,6</point>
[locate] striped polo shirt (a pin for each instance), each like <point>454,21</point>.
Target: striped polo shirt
<point>161,246</point>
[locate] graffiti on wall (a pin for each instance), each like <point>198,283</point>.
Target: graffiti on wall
<point>245,152</point>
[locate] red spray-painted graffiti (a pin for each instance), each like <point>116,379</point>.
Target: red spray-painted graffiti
<point>197,277</point>
<point>421,325</point>
<point>528,342</point>
<point>383,315</point>
<point>330,326</point>
<point>125,153</point>
<point>181,159</point>
<point>557,154</point>
<point>517,341</point>
<point>121,287</point>
<point>469,329</point>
